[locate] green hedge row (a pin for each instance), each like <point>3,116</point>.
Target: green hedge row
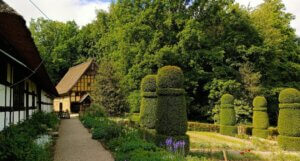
<point>197,126</point>
<point>20,142</point>
<point>289,119</point>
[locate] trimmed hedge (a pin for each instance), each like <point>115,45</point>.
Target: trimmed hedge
<point>171,109</point>
<point>262,133</point>
<point>148,83</point>
<point>170,77</point>
<point>289,143</point>
<point>197,126</point>
<point>228,130</point>
<point>149,102</point>
<point>227,116</point>
<point>260,117</point>
<point>289,119</point>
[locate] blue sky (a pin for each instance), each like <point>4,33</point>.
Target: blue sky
<point>83,11</point>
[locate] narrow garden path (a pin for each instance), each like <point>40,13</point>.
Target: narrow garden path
<point>75,143</point>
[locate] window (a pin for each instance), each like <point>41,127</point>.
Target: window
<point>18,92</point>
<point>3,72</point>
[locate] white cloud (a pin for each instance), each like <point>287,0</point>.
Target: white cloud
<point>292,6</point>
<point>82,12</point>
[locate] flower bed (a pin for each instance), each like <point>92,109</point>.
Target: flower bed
<point>29,140</point>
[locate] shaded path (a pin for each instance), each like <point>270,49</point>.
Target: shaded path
<point>75,143</point>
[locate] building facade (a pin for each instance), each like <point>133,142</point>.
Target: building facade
<point>75,87</point>
<point>25,86</point>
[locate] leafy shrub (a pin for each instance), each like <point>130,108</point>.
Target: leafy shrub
<point>289,119</point>
<point>171,113</point>
<point>17,142</point>
<point>197,126</point>
<point>148,83</point>
<point>107,89</point>
<point>106,131</point>
<point>95,110</point>
<point>260,117</point>
<point>149,102</point>
<point>227,116</point>
<point>228,130</point>
<point>170,77</point>
<point>134,100</point>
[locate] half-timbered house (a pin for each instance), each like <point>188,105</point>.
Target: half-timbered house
<point>24,83</point>
<point>75,87</point>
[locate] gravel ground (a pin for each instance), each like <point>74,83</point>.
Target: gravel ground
<point>75,143</point>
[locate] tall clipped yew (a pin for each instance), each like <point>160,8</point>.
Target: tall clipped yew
<point>171,108</point>
<point>289,119</point>
<point>227,116</point>
<point>260,117</point>
<point>148,102</point>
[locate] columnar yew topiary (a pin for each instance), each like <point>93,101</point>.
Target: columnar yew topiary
<point>171,109</point>
<point>260,117</point>
<point>149,102</point>
<point>171,113</point>
<point>227,116</point>
<point>289,119</point>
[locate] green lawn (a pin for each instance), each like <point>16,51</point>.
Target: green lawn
<point>211,145</point>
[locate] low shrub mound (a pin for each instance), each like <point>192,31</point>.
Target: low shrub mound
<point>171,108</point>
<point>227,116</point>
<point>148,102</point>
<point>28,140</point>
<point>260,117</point>
<point>289,119</point>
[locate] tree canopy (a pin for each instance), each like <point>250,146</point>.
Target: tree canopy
<point>222,47</point>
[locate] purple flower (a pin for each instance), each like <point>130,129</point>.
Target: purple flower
<point>169,142</point>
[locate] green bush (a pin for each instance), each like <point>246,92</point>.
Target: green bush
<point>107,131</point>
<point>149,102</point>
<point>197,126</point>
<point>170,77</point>
<point>262,133</point>
<point>227,116</point>
<point>260,117</point>
<point>17,142</point>
<point>289,119</point>
<point>289,95</point>
<point>171,109</point>
<point>134,100</point>
<point>289,143</point>
<point>148,83</point>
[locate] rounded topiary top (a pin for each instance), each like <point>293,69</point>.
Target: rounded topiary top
<point>170,77</point>
<point>289,95</point>
<point>260,101</point>
<point>148,83</point>
<point>227,99</point>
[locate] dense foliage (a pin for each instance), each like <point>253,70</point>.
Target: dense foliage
<point>227,116</point>
<point>18,142</point>
<point>107,91</point>
<point>125,143</point>
<point>222,47</point>
<point>171,116</point>
<point>289,119</point>
<point>149,102</point>
<point>260,117</point>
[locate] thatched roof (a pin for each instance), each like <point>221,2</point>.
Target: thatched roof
<point>72,77</point>
<point>14,31</point>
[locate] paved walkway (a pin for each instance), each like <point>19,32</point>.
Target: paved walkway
<point>75,143</point>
